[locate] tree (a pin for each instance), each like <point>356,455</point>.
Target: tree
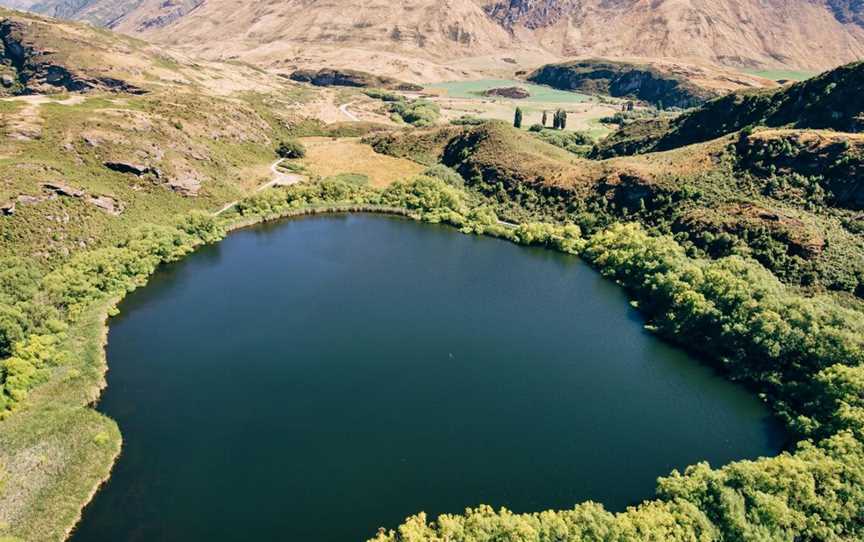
<point>517,119</point>
<point>543,122</point>
<point>291,149</point>
<point>559,122</point>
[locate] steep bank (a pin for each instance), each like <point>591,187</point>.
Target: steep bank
<point>624,80</point>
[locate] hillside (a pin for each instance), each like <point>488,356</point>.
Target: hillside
<point>427,40</point>
<point>660,84</point>
<point>720,197</point>
<point>807,34</point>
<point>831,100</point>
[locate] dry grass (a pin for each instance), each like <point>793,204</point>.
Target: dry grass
<point>327,157</point>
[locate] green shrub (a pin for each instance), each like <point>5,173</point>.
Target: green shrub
<point>467,120</point>
<point>418,113</point>
<point>291,149</point>
<point>575,142</point>
<point>446,174</point>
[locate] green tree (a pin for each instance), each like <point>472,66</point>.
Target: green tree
<point>543,122</point>
<point>517,118</point>
<point>291,149</point>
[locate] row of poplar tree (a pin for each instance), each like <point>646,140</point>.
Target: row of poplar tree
<point>559,119</point>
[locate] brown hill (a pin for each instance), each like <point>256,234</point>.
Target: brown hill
<point>428,39</point>
<point>807,34</point>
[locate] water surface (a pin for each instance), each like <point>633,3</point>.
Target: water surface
<point>317,379</point>
<point>539,93</point>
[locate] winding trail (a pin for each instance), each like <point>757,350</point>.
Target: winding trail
<point>278,179</point>
<point>344,109</point>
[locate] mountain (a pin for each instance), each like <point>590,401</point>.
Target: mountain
<point>807,34</point>
<point>415,38</point>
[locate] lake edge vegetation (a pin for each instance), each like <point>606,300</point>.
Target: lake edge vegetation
<point>98,193</point>
<point>802,354</point>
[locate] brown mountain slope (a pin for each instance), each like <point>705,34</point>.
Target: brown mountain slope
<point>405,38</point>
<point>413,39</point>
<point>806,34</point>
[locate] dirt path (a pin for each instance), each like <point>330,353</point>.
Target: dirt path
<point>279,179</point>
<point>344,109</point>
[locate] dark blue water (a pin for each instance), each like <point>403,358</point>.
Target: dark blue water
<point>317,379</point>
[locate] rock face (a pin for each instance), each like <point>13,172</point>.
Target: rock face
<point>621,79</point>
<point>29,69</point>
<point>327,77</point>
<point>848,11</point>
<point>56,189</point>
<point>514,93</point>
<point>108,204</point>
<point>146,14</point>
<point>62,189</point>
<point>533,14</point>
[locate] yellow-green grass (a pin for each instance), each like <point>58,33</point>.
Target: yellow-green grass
<point>327,157</point>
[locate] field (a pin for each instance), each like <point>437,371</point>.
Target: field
<point>465,98</point>
<point>326,157</point>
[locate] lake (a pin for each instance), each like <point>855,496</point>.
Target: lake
<point>318,378</point>
<point>539,93</point>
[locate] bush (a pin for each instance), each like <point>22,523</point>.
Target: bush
<point>291,150</point>
<point>446,174</point>
<point>575,142</point>
<point>383,95</point>
<point>417,112</point>
<point>467,120</point>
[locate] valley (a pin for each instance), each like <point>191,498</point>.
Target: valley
<point>622,241</point>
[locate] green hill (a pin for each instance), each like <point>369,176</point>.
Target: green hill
<point>829,101</point>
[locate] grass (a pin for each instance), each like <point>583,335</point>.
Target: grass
<point>330,158</point>
<point>58,450</point>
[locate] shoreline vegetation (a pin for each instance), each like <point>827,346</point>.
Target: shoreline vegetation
<point>803,355</point>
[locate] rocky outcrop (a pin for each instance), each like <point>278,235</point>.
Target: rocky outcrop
<point>110,205</point>
<point>328,77</point>
<point>848,11</point>
<point>139,170</point>
<point>62,189</point>
<point>532,14</point>
<point>30,69</point>
<point>623,80</point>
<point>166,13</point>
<point>186,183</point>
<point>57,189</point>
